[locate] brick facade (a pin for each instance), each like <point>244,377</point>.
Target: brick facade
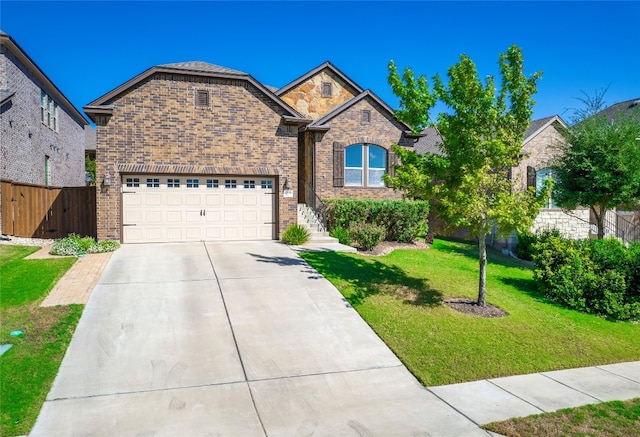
<point>156,124</point>
<point>348,128</point>
<point>26,141</point>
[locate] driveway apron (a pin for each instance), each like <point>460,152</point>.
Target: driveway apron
<point>231,339</point>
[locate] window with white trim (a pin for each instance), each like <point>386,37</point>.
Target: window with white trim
<point>153,183</point>
<point>266,184</point>
<point>541,177</point>
<point>173,183</point>
<point>364,165</point>
<point>212,183</point>
<point>249,184</point>
<point>48,111</point>
<point>230,183</point>
<point>193,183</point>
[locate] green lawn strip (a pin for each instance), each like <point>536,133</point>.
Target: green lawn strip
<point>400,296</point>
<point>28,369</point>
<point>608,419</point>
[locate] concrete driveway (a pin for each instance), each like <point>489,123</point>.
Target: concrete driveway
<point>231,339</point>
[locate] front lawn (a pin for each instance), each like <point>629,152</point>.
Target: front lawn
<point>607,419</point>
<point>401,297</point>
<point>28,369</point>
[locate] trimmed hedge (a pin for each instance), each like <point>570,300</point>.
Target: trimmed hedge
<point>525,249</point>
<point>593,276</point>
<point>402,221</point>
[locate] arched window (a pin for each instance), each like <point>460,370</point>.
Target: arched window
<point>364,165</point>
<point>541,176</point>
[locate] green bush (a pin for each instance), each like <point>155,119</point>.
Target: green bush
<point>295,234</point>
<point>341,234</point>
<point>73,245</point>
<point>367,235</point>
<point>402,221</point>
<point>593,276</point>
<point>525,248</point>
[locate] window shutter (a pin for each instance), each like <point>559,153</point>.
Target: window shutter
<point>338,164</point>
<point>531,177</point>
<point>392,161</point>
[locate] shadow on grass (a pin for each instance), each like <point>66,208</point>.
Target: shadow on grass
<point>469,249</point>
<point>368,277</point>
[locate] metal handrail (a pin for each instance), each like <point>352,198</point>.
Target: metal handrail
<point>317,206</point>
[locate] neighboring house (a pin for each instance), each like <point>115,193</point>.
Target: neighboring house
<point>193,151</point>
<point>42,133</point>
<point>540,146</point>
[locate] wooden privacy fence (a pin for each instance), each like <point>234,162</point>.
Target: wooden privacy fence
<point>48,212</point>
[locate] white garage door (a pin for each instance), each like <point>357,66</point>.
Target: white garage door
<point>197,208</point>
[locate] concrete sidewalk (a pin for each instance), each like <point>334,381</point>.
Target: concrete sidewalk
<point>246,339</point>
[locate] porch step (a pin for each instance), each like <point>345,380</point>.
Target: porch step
<point>307,218</point>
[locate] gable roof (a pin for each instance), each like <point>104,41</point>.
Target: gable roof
<point>319,68</point>
<point>194,68</point>
<point>350,103</point>
<point>628,108</point>
<point>539,125</point>
<point>7,41</point>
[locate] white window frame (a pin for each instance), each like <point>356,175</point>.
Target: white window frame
<point>541,176</point>
<point>49,111</point>
<point>365,169</point>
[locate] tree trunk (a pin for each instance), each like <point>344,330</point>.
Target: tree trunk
<point>482,283</point>
<point>600,214</point>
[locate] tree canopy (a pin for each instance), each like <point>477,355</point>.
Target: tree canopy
<point>482,134</point>
<point>600,165</point>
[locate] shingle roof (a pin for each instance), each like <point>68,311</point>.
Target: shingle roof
<point>201,66</point>
<point>627,108</point>
<point>429,142</point>
<point>537,124</point>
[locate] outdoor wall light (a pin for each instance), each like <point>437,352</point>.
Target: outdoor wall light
<point>106,182</point>
<point>287,184</point>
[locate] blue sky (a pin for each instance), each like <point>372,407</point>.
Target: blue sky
<point>90,47</point>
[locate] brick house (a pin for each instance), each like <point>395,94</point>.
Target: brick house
<point>194,151</point>
<point>42,132</point>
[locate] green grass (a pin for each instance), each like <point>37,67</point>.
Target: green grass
<point>28,369</point>
<point>608,419</point>
<point>400,295</point>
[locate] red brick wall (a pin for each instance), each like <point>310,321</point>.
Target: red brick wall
<point>157,123</point>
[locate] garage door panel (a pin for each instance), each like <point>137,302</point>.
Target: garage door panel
<point>211,210</point>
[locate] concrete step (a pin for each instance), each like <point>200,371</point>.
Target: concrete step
<point>322,237</point>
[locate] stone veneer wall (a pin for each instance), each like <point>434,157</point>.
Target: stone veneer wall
<point>306,98</point>
<point>348,128</point>
<point>573,225</point>
<point>157,124</point>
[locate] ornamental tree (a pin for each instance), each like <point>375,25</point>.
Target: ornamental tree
<point>599,167</point>
<point>482,134</point>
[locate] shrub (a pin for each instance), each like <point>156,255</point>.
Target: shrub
<point>525,248</point>
<point>73,245</point>
<point>367,235</point>
<point>104,246</point>
<point>295,234</point>
<point>341,234</point>
<point>593,276</point>
<point>402,221</point>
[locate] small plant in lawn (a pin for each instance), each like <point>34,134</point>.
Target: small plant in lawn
<point>367,235</point>
<point>341,234</point>
<point>295,234</point>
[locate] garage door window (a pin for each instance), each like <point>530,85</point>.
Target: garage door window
<point>266,185</point>
<point>153,183</point>
<point>212,183</point>
<point>173,183</point>
<point>249,184</point>
<point>133,182</point>
<point>193,183</point>
<point>230,183</point>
